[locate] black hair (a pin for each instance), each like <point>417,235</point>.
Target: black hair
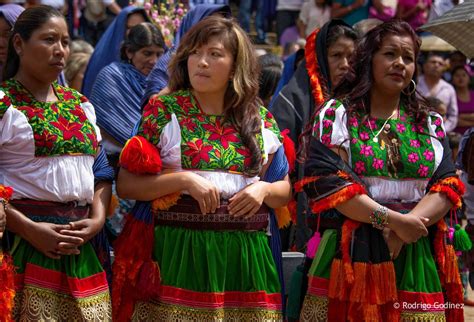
<point>270,73</point>
<point>142,35</point>
<point>28,22</point>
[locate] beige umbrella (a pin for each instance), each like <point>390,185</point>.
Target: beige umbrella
<point>433,43</point>
<point>456,27</point>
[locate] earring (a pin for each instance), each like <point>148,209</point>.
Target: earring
<point>412,91</point>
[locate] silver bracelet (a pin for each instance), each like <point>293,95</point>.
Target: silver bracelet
<point>379,217</point>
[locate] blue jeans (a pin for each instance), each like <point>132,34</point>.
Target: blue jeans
<point>245,12</point>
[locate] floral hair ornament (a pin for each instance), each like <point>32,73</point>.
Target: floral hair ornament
<point>166,15</point>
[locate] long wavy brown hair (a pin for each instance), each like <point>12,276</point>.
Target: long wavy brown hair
<point>354,88</point>
<point>241,102</point>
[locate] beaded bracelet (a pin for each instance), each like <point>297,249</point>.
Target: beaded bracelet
<point>379,218</point>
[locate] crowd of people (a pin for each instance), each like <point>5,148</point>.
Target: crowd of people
<point>141,180</point>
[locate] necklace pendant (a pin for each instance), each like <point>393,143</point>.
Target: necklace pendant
<point>376,140</point>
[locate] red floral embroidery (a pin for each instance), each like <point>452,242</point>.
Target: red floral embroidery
<point>45,139</point>
<point>69,129</point>
<point>32,112</point>
<point>220,133</point>
<point>185,103</point>
<point>197,151</point>
<point>246,154</point>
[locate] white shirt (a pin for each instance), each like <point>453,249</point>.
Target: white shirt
<point>314,17</point>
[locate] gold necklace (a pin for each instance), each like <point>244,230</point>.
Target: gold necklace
<point>375,136</point>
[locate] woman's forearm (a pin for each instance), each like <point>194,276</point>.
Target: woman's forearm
<point>278,193</point>
<point>433,206</point>
<point>102,195</point>
<point>18,223</point>
<point>149,186</point>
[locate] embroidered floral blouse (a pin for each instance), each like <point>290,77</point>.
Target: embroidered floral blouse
<point>47,149</point>
<point>209,145</point>
<point>395,164</point>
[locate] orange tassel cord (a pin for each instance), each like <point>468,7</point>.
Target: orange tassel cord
<point>7,287</point>
<point>337,198</point>
<point>453,188</point>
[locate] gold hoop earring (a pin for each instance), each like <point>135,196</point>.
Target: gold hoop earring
<point>412,91</point>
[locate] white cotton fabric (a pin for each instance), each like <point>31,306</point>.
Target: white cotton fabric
<point>384,189</point>
<point>59,178</point>
<point>227,183</point>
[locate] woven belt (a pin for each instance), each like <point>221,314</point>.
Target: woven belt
<point>187,214</point>
<point>51,211</point>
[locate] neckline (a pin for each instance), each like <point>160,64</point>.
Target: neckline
<point>30,95</point>
<point>198,105</point>
<point>401,112</point>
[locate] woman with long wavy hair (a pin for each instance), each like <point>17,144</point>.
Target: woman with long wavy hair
<point>198,157</point>
<point>379,172</point>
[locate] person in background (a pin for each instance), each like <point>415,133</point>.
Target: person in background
<point>81,46</point>
<point>432,84</point>
<point>245,11</point>
<point>271,68</point>
<point>8,15</point>
<point>287,12</point>
<point>465,164</point>
<point>465,97</point>
<point>75,68</point>
<point>379,171</point>
<point>415,12</point>
<point>314,14</point>
<point>95,20</point>
<point>50,155</point>
<point>215,142</point>
<point>353,11</point>
<point>107,49</point>
<point>437,106</point>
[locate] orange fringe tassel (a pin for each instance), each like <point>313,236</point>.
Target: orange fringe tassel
<point>313,68</point>
<point>299,185</point>
<point>453,188</point>
<point>337,198</point>
<point>140,156</point>
<point>283,217</point>
<point>449,274</point>
<point>292,209</point>
<point>7,287</point>
<point>165,202</point>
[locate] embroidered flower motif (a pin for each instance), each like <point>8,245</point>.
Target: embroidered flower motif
<point>330,111</point>
<point>353,122</point>
<point>221,133</point>
<point>185,103</point>
<point>32,112</point>
<point>45,139</point>
<point>246,154</point>
<point>403,118</point>
<point>413,157</point>
<point>366,150</point>
<point>326,139</point>
<point>67,95</point>
<point>79,112</point>
<point>428,141</point>
<point>415,143</point>
<point>149,130</point>
<point>364,136</point>
<point>360,167</point>
<point>440,134</point>
<point>353,141</point>
<point>377,164</point>
<point>423,170</point>
<point>69,129</point>
<point>188,123</point>
<point>429,155</point>
<point>197,151</point>
<point>400,127</point>
<point>327,123</point>
<point>437,122</point>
